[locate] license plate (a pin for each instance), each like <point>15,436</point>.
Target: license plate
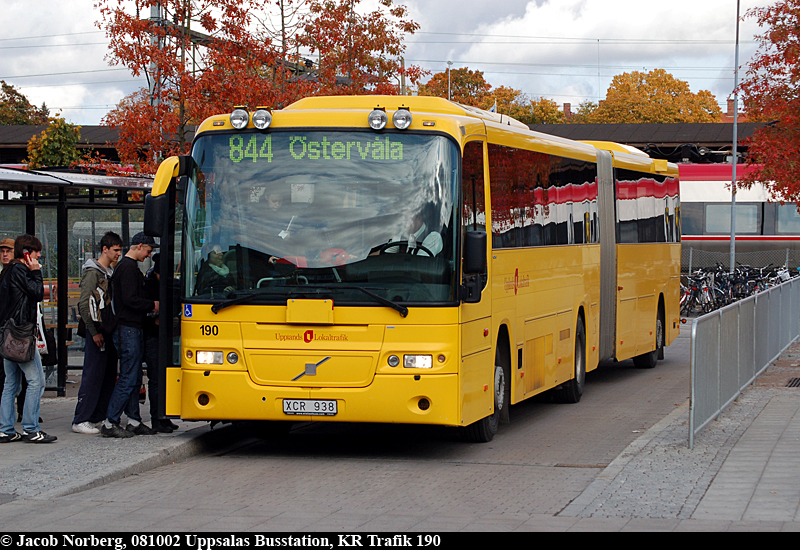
<point>312,407</point>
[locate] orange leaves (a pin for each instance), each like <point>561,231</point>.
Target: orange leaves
<point>654,97</point>
<point>770,91</point>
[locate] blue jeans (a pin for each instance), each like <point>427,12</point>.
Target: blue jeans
<point>34,374</point>
<point>129,342</point>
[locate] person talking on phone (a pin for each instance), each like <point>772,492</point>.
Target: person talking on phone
<point>25,291</point>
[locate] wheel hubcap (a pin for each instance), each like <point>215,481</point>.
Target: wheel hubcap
<point>499,388</point>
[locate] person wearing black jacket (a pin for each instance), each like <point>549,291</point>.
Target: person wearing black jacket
<point>131,305</point>
<point>25,290</point>
<point>150,325</point>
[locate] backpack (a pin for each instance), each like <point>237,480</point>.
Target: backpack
<point>101,310</point>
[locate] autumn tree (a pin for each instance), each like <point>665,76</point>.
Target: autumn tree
<point>57,145</point>
<point>654,97</point>
<point>199,57</point>
<point>584,113</point>
<point>771,91</point>
<point>16,109</point>
<point>203,57</point>
<point>466,86</point>
<point>543,111</point>
<point>359,53</point>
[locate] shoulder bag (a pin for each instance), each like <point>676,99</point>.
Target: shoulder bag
<point>18,343</point>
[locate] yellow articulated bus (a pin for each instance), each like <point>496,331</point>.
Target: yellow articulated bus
<point>404,259</point>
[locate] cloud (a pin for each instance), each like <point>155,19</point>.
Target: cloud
<point>557,57</point>
<point>569,50</point>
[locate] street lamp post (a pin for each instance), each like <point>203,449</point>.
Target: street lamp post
<point>449,64</point>
<point>735,143</point>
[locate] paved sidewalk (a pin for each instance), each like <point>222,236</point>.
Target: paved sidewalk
<point>742,474</point>
<point>76,462</point>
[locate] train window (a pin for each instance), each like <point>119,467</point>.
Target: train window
<point>788,219</point>
<point>691,218</point>
<point>718,218</point>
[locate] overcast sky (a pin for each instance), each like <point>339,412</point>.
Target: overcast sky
<point>564,50</point>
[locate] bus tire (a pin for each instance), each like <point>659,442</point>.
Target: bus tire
<point>649,360</point>
<point>484,429</point>
<point>571,392</point>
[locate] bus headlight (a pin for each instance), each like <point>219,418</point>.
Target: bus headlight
<point>239,118</point>
<point>418,361</point>
<point>262,119</point>
<point>209,357</point>
<point>377,119</point>
<point>402,118</point>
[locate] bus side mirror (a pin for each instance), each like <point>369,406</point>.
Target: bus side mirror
<point>155,214</point>
<point>474,266</point>
<point>474,252</point>
<point>157,204</point>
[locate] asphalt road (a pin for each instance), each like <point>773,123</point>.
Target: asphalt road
<point>333,477</point>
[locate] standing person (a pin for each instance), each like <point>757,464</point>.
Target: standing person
<point>6,251</point>
<point>6,255</point>
<point>131,306</point>
<point>150,325</point>
<point>25,291</point>
<point>100,356</point>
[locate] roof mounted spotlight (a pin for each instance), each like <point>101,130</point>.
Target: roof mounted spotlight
<point>262,118</point>
<point>402,118</point>
<point>239,118</point>
<point>378,118</point>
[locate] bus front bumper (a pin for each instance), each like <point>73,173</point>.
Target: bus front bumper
<point>406,398</point>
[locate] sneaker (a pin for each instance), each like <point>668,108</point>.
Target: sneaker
<point>171,424</point>
<point>114,431</point>
<point>85,428</point>
<point>38,437</point>
<point>140,429</point>
<point>8,438</point>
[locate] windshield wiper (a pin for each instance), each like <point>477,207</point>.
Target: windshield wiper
<point>216,308</point>
<point>306,289</point>
<point>385,301</point>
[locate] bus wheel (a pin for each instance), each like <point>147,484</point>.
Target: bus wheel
<point>649,360</point>
<point>484,429</point>
<point>572,391</point>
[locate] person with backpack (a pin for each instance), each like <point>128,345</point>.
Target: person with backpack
<point>100,356</point>
<point>130,305</point>
<point>25,289</point>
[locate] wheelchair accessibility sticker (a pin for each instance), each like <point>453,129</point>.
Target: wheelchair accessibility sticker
<point>187,310</point>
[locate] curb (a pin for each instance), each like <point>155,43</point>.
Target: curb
<point>607,476</point>
<point>194,445</point>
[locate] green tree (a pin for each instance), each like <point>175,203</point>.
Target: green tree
<point>16,109</point>
<point>55,146</point>
<point>654,97</point>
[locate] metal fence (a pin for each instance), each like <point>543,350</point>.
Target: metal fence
<point>733,345</point>
<point>693,259</point>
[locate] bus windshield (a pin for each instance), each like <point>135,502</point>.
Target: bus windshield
<point>355,216</point>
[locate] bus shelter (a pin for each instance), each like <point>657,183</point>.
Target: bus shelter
<point>68,212</point>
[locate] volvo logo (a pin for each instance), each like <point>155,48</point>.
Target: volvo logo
<point>311,370</point>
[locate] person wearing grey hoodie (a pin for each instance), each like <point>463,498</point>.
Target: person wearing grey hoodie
<point>100,357</point>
